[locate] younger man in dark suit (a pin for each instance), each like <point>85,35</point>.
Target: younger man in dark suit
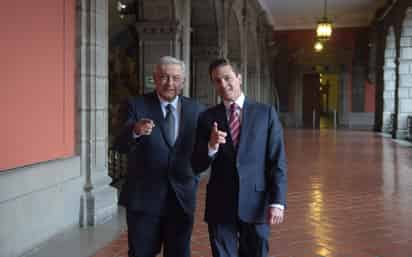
<point>243,142</point>
<point>160,189</point>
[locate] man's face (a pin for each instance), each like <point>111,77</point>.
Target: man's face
<point>169,81</point>
<point>227,82</point>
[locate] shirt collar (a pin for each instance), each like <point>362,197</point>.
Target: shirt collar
<point>164,103</point>
<point>239,102</point>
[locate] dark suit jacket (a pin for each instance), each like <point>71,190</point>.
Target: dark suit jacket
<point>154,164</point>
<point>245,181</point>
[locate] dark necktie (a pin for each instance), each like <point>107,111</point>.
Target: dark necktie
<point>234,124</point>
<point>170,124</point>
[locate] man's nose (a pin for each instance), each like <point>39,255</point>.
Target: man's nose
<point>222,83</point>
<point>170,81</point>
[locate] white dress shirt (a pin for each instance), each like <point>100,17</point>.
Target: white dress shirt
<point>176,110</point>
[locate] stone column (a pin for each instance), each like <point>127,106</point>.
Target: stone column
<point>268,56</point>
<point>297,85</point>
<point>343,96</point>
<point>389,84</point>
<point>266,92</point>
<point>405,78</point>
<point>203,89</point>
<point>186,43</point>
<point>156,39</point>
<point>98,201</point>
<point>244,53</point>
<point>358,88</point>
<point>252,83</point>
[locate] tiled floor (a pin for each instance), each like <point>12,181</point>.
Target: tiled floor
<point>350,195</point>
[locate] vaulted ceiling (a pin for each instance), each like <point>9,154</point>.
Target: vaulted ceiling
<point>304,14</point>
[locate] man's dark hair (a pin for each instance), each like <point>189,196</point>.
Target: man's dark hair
<point>222,62</point>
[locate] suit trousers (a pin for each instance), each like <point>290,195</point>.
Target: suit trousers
<point>239,239</point>
<point>147,233</point>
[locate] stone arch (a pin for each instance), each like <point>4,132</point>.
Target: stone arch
<point>389,80</point>
<point>405,76</point>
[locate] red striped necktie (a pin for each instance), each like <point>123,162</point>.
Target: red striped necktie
<point>234,124</point>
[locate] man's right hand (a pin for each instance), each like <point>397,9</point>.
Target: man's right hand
<point>143,127</point>
<point>217,137</point>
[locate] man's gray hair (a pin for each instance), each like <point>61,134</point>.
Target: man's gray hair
<point>164,60</point>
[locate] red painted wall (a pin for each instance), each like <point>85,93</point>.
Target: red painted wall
<point>37,92</point>
<point>341,37</point>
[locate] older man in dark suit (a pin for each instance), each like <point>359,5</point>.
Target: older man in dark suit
<point>160,189</point>
<point>242,140</point>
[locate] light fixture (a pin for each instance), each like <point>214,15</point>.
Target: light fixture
<point>121,7</point>
<point>324,28</point>
<point>318,46</point>
<point>128,8</point>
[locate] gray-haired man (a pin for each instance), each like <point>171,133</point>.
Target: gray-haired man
<point>160,189</point>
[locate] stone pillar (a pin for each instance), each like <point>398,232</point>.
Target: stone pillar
<point>297,85</point>
<point>156,39</point>
<point>186,30</point>
<point>244,54</point>
<point>375,73</point>
<point>203,89</point>
<point>252,85</point>
<point>358,88</point>
<point>268,56</point>
<point>265,86</point>
<point>389,83</point>
<point>222,19</point>
<point>405,78</point>
<point>343,96</point>
<point>98,201</point>
<point>263,74</point>
<point>405,95</point>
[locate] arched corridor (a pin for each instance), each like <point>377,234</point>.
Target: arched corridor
<point>70,65</point>
<point>349,195</point>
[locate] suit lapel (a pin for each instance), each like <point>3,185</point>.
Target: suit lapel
<point>158,117</point>
<point>184,116</point>
<point>246,121</point>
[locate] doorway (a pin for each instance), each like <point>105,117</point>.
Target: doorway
<point>311,101</point>
<point>320,100</point>
<point>328,100</point>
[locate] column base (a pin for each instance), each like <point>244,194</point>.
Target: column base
<point>97,205</point>
<point>402,134</point>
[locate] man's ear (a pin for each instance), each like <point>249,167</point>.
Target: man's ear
<point>239,76</point>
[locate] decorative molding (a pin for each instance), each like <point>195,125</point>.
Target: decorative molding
<point>159,27</point>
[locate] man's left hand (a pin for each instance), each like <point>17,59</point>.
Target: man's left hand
<point>275,215</point>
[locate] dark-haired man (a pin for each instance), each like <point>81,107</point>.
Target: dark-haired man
<point>242,141</point>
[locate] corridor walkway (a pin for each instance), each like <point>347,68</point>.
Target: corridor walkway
<point>350,195</point>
